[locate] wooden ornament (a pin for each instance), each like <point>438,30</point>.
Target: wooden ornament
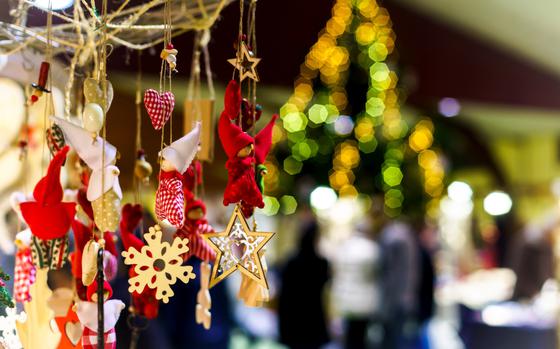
<point>89,262</point>
<point>70,330</point>
<point>201,110</point>
<point>158,264</point>
<point>203,300</point>
<point>246,64</point>
<point>237,248</point>
<point>93,93</point>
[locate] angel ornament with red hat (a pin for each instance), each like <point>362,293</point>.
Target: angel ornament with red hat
<point>49,218</point>
<point>88,316</point>
<point>170,198</point>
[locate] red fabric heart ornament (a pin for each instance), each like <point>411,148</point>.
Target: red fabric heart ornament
<point>159,106</point>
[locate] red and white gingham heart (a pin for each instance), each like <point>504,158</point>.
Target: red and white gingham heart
<point>159,106</point>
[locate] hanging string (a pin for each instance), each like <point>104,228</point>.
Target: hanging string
<point>48,97</point>
<point>252,38</point>
<point>103,78</point>
<point>138,140</point>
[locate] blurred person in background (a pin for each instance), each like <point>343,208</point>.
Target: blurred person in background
<point>428,246</point>
<point>355,286</point>
<point>302,320</point>
<point>400,277</point>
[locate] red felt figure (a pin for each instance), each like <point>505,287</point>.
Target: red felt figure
<point>49,218</point>
<point>263,143</point>
<point>176,158</point>
<point>196,225</point>
<point>87,313</point>
<point>191,179</point>
<point>249,114</point>
<point>144,303</point>
<point>240,149</point>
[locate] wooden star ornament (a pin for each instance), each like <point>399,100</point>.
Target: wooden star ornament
<point>237,248</point>
<point>246,64</point>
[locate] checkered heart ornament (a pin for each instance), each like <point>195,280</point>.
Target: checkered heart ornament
<point>159,106</point>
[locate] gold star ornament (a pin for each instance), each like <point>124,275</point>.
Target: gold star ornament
<point>237,248</point>
<point>246,64</point>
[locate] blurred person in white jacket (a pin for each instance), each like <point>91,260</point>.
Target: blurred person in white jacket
<point>355,284</point>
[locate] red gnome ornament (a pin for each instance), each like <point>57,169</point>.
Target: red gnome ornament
<point>240,149</point>
<point>87,313</point>
<point>196,225</point>
<point>144,303</point>
<point>49,218</point>
<point>176,158</point>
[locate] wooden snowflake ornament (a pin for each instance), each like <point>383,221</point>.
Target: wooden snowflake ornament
<point>158,264</point>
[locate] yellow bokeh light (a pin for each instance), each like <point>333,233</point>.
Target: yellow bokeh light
<point>427,159</point>
<point>292,166</point>
<point>348,190</point>
<point>392,176</point>
<point>294,122</point>
<point>368,8</point>
<point>365,33</point>
<point>271,205</point>
<point>288,204</point>
<point>364,130</point>
<point>278,134</point>
<point>318,113</point>
<point>421,139</point>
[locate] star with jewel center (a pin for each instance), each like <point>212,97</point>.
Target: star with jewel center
<point>237,248</point>
<point>246,64</point>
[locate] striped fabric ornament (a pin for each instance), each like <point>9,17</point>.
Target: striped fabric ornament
<point>197,245</point>
<point>51,254</point>
<point>170,199</point>
<point>89,339</point>
<point>55,139</point>
<point>24,275</point>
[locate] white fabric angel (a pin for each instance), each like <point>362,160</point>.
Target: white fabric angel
<point>104,191</point>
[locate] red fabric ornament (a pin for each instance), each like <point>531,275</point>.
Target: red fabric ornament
<point>170,198</point>
<point>92,289</point>
<point>192,178</point>
<point>263,141</point>
<point>159,106</point>
<point>48,217</point>
<point>193,230</point>
<point>144,303</point>
<point>242,187</point>
<point>232,136</point>
<point>24,275</point>
<point>248,117</point>
<point>82,235</point>
<point>89,339</point>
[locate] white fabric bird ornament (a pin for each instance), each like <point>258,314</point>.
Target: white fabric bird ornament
<point>176,158</point>
<point>104,191</point>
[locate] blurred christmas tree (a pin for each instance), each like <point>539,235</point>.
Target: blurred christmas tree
<point>342,125</point>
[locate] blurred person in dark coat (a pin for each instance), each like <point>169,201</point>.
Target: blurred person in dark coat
<point>399,285</point>
<point>302,319</point>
